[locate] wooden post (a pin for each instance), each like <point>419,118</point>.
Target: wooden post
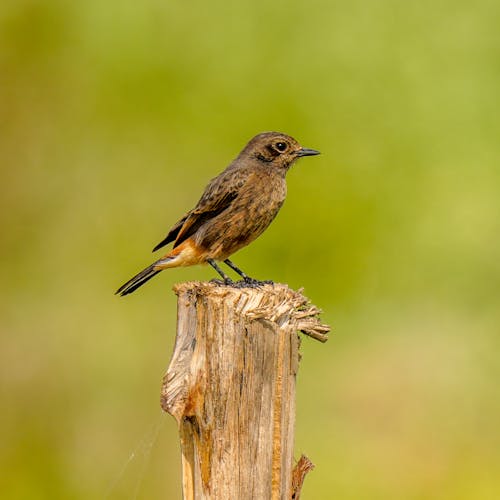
<point>230,386</point>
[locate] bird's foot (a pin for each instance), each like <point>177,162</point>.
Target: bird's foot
<point>244,283</point>
<point>224,282</point>
<point>252,283</point>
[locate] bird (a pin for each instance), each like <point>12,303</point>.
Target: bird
<point>234,209</point>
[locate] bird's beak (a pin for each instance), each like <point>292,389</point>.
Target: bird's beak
<point>307,152</point>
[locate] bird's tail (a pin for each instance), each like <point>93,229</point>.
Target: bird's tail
<point>138,280</point>
<point>185,254</point>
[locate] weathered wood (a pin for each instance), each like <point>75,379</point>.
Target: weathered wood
<point>231,387</point>
<point>301,469</point>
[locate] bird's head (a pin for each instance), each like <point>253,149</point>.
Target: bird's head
<point>276,149</point>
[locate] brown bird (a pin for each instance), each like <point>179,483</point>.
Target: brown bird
<point>235,208</point>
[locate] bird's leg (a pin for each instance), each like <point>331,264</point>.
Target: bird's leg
<point>238,270</point>
<point>247,281</point>
<point>225,277</point>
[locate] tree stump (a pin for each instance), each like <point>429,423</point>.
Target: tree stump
<point>230,386</point>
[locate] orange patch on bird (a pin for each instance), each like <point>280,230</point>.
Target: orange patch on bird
<point>187,253</point>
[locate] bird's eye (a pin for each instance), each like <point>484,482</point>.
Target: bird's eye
<point>280,146</point>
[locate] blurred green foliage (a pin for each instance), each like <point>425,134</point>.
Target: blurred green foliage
<point>113,117</point>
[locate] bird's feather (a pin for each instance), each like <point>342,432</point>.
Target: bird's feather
<point>172,235</point>
<point>138,280</point>
<point>217,197</point>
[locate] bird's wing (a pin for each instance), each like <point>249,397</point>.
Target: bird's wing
<point>217,197</point>
<point>172,234</point>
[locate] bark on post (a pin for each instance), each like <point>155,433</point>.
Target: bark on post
<point>231,387</point>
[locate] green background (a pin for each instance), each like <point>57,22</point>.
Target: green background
<point>114,116</point>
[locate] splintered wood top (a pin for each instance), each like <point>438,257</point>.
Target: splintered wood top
<point>275,302</point>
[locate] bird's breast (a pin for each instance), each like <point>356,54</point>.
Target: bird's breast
<point>251,212</point>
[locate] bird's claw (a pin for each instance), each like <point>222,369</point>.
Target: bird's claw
<point>244,283</point>
<point>224,282</point>
<point>248,282</point>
